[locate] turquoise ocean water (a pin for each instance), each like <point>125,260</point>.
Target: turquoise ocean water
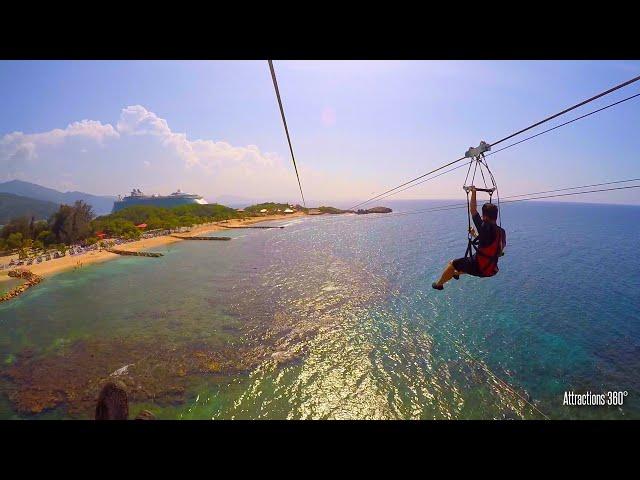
<point>334,317</point>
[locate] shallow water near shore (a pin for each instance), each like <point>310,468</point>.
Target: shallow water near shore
<point>334,317</point>
<point>6,285</point>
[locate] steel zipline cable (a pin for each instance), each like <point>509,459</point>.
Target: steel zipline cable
<point>567,110</point>
<point>512,197</point>
<point>584,102</point>
<point>286,129</point>
<point>514,144</point>
<point>564,124</point>
<point>424,181</point>
<point>575,188</point>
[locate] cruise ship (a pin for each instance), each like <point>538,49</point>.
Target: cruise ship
<point>166,201</point>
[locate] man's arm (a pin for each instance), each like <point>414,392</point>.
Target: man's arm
<point>473,210</point>
<point>473,205</point>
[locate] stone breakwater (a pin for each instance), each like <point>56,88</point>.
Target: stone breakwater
<point>135,254</point>
<point>31,280</point>
<point>202,238</point>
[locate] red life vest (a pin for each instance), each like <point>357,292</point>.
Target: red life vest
<point>487,257</point>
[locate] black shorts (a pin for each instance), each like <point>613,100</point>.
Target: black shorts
<point>467,265</point>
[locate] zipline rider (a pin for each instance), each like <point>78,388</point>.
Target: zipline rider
<point>491,241</point>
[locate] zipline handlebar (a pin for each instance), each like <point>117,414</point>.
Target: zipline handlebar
<point>488,190</point>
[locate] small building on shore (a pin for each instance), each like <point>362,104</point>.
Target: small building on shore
<point>288,210</point>
<point>314,211</point>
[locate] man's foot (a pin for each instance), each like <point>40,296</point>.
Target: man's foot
<point>457,277</point>
<point>436,286</point>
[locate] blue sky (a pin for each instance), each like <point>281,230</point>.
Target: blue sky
<point>358,127</point>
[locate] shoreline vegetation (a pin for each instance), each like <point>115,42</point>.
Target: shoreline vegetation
<point>141,228</point>
<point>64,263</point>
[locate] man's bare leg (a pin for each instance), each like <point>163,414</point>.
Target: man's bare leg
<point>457,274</point>
<point>447,275</point>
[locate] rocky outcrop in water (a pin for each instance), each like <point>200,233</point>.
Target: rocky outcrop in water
<point>374,210</point>
<point>31,280</point>
<point>337,211</point>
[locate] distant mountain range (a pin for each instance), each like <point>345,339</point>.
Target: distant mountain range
<point>101,204</point>
<point>16,206</point>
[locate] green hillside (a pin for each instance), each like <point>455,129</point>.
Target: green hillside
<point>158,217</point>
<point>101,204</point>
<point>12,206</point>
<point>271,208</point>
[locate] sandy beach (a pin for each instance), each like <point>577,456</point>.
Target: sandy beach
<point>47,269</point>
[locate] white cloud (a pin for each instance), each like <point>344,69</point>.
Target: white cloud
<point>108,160</point>
<point>135,120</point>
<point>89,129</point>
<point>18,148</point>
<point>209,154</point>
<point>138,133</point>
